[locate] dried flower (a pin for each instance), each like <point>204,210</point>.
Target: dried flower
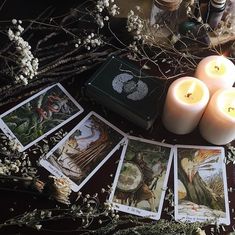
<point>114,10</point>
<point>101,5</point>
<point>135,24</point>
<point>38,185</point>
<point>199,231</point>
<point>12,166</point>
<point>28,64</point>
<point>92,40</point>
<point>13,145</point>
<point>61,189</point>
<point>38,226</point>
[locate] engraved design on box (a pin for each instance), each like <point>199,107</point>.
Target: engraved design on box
<point>134,90</point>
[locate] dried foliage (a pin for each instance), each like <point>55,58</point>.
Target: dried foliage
<point>46,50</point>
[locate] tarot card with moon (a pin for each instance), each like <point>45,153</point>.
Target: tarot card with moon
<point>200,184</point>
<point>84,150</point>
<point>141,179</point>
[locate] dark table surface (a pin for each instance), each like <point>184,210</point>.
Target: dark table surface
<point>21,201</point>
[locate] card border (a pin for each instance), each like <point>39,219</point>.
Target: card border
<point>225,220</point>
<point>53,170</point>
<point>133,210</point>
<point>7,131</point>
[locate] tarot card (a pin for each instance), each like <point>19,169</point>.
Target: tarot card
<point>84,150</point>
<point>39,115</point>
<point>140,183</point>
<point>200,184</point>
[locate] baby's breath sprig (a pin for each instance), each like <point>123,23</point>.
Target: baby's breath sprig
<point>103,6</point>
<point>28,64</point>
<point>13,162</point>
<point>91,41</point>
<point>136,24</point>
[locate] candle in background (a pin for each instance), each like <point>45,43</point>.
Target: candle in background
<point>217,72</point>
<point>186,100</point>
<point>216,11</point>
<point>217,125</point>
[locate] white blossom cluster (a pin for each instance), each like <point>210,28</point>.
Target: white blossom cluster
<point>133,46</point>
<point>114,10</point>
<point>12,144</point>
<point>13,161</point>
<point>23,166</point>
<point>100,20</point>
<point>101,5</point>
<point>135,23</point>
<point>7,166</point>
<point>110,209</point>
<point>27,62</point>
<point>91,41</point>
<point>107,4</point>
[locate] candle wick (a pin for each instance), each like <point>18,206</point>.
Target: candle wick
<point>217,67</point>
<point>231,109</point>
<point>188,95</point>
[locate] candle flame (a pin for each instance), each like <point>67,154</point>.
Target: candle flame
<point>191,89</point>
<point>231,108</point>
<point>218,62</point>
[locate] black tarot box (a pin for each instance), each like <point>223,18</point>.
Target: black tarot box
<point>123,88</point>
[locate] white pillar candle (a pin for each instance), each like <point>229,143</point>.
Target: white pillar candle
<point>217,125</point>
<point>217,72</point>
<point>186,100</point>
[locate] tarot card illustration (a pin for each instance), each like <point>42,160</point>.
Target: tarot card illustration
<point>84,150</point>
<point>39,115</point>
<point>200,184</point>
<point>141,179</point>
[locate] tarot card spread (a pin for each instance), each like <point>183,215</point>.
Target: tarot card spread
<point>141,179</point>
<point>39,115</point>
<point>84,150</point>
<point>200,184</point>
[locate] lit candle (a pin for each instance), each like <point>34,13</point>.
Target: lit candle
<point>186,100</point>
<point>218,122</point>
<point>217,72</point>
